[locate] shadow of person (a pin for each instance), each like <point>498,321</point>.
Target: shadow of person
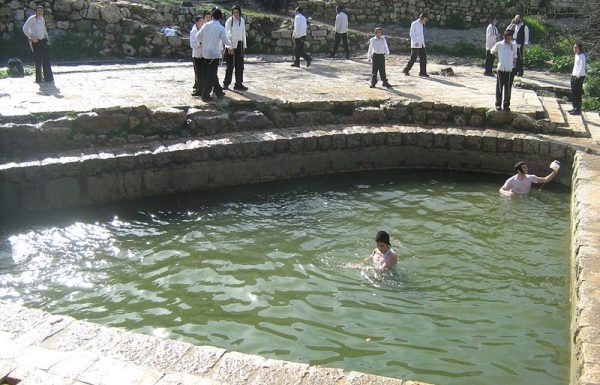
<point>49,89</point>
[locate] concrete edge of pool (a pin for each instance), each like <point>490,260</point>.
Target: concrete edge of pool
<point>41,348</point>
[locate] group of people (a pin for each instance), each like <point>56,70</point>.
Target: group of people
<point>207,39</point>
<point>510,49</point>
<point>384,257</point>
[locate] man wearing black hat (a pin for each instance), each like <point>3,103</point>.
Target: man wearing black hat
<point>212,36</point>
<point>235,27</point>
<point>506,51</point>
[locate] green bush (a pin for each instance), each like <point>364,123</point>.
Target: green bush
<point>562,64</point>
<point>564,46</point>
<point>590,104</point>
<point>536,56</point>
<point>591,101</point>
<point>538,31</point>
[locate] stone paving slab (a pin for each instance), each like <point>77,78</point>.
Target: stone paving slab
<point>170,85</point>
<point>553,109</point>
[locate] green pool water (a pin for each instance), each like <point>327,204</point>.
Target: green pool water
<point>480,295</point>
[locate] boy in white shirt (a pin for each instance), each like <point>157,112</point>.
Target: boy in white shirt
<point>491,38</point>
<point>235,27</point>
<point>577,78</point>
<point>35,30</point>
<point>341,32</point>
<point>299,35</point>
<point>196,54</point>
<point>417,46</point>
<point>506,51</point>
<point>378,51</point>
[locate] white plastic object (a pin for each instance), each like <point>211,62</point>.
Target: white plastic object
<point>555,165</point>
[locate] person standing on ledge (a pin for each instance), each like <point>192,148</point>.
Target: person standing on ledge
<point>213,37</point>
<point>35,30</point>
<point>417,46</point>
<point>196,55</point>
<point>235,27</point>
<point>521,37</point>
<point>577,79</point>
<point>506,51</point>
<point>341,32</point>
<point>378,51</point>
<point>520,183</point>
<point>299,35</point>
<point>491,38</point>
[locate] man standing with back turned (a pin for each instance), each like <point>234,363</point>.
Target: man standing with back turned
<point>506,50</point>
<point>417,46</point>
<point>213,37</point>
<point>341,32</point>
<point>35,30</point>
<point>299,35</point>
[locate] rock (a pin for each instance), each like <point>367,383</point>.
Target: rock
<point>368,115</point>
<point>167,120</point>
<point>92,123</point>
<point>91,12</point>
<point>175,41</point>
<point>111,14</point>
<point>19,15</point>
<point>128,50</point>
<point>448,71</point>
<point>248,120</point>
<point>62,6</point>
<point>524,122</point>
<point>62,24</point>
<point>498,118</point>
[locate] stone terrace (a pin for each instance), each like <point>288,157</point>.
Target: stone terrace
<point>327,118</point>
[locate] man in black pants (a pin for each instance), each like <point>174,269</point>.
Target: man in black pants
<point>341,32</point>
<point>521,37</point>
<point>417,46</point>
<point>299,35</point>
<point>506,50</point>
<point>212,36</point>
<point>35,30</point>
<point>235,27</point>
<point>577,78</point>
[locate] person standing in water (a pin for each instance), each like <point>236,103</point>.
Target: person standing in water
<point>520,183</point>
<point>383,256</point>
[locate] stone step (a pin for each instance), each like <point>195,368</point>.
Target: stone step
<point>592,120</point>
<point>574,122</point>
<point>553,109</point>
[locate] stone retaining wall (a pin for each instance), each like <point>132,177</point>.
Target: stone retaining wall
<point>131,29</point>
<point>29,137</point>
<point>452,14</point>
<point>260,156</point>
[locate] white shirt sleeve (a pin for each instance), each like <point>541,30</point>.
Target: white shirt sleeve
<point>296,26</point>
<point>244,44</point>
<point>526,42</point>
<point>386,48</point>
<point>228,30</point>
<point>370,51</point>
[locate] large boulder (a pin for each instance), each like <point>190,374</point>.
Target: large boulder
<point>111,14</point>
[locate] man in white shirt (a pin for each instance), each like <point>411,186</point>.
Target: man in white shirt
<point>235,27</point>
<point>378,52</point>
<point>577,78</point>
<point>35,30</point>
<point>196,54</point>
<point>521,37</point>
<point>520,183</point>
<point>506,51</point>
<point>213,37</point>
<point>491,38</point>
<point>299,35</point>
<point>417,46</point>
<point>341,32</point>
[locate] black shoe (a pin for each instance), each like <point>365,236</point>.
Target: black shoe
<point>571,110</point>
<point>488,74</point>
<point>507,109</point>
<point>424,75</point>
<point>225,86</point>
<point>498,108</point>
<point>372,85</point>
<point>308,61</point>
<point>240,87</point>
<point>347,56</point>
<point>295,65</point>
<point>221,95</point>
<point>332,56</point>
<point>207,99</point>
<point>405,72</point>
<point>196,93</point>
<point>575,112</point>
<point>387,85</point>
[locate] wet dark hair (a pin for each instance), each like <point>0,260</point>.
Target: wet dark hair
<point>509,32</point>
<point>339,8</point>
<point>580,46</point>
<point>207,12</point>
<point>491,19</point>
<point>423,16</point>
<point>299,9</point>
<point>217,14</point>
<point>384,237</point>
<point>196,18</point>
<point>519,166</point>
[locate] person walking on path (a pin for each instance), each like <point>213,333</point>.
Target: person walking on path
<point>577,78</point>
<point>521,37</point>
<point>491,38</point>
<point>213,37</point>
<point>235,27</point>
<point>196,55</point>
<point>299,36</point>
<point>35,30</point>
<point>506,51</point>
<point>417,46</point>
<point>378,51</point>
<point>341,32</point>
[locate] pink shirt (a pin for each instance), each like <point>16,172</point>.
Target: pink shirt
<point>520,186</point>
<point>379,259</point>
